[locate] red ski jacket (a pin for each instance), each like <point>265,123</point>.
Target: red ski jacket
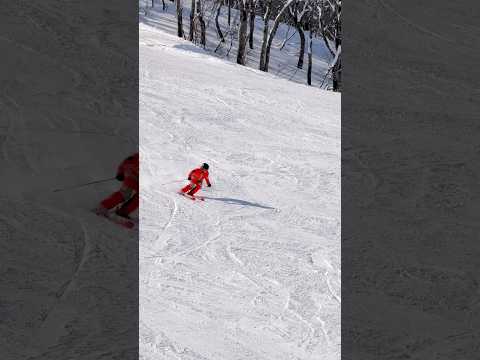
<point>197,176</point>
<point>128,171</point>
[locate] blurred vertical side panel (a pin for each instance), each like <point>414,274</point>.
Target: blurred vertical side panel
<point>68,117</point>
<point>410,180</point>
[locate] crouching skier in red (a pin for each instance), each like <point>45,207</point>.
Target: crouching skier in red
<point>196,178</point>
<point>127,196</point>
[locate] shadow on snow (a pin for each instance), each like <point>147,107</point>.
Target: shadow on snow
<point>239,202</point>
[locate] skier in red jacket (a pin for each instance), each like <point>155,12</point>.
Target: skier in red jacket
<point>127,196</point>
<point>196,177</point>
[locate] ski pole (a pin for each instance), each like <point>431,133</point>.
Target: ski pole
<point>84,184</point>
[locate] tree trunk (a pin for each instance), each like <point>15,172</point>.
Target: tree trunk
<point>272,33</point>
<point>203,32</point>
<point>266,19</point>
<point>337,68</point>
<point>298,26</point>
<point>217,24</point>
<point>252,23</point>
<point>179,18</point>
<point>192,17</point>
<point>203,40</point>
<point>336,76</point>
<point>324,36</point>
<point>229,11</point>
<point>301,55</point>
<point>242,33</point>
<point>309,71</point>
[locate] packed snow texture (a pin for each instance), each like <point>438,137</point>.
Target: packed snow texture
<point>254,271</point>
<point>285,47</point>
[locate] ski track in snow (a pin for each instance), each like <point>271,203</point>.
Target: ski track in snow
<point>253,272</point>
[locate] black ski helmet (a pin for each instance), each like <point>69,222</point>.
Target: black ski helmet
<point>205,166</point>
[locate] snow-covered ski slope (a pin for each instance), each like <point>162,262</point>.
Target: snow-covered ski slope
<point>254,271</point>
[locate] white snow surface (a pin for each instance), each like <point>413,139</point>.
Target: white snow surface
<point>253,272</point>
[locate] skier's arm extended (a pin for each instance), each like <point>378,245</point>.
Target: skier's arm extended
<point>190,175</point>
<point>207,180</point>
<point>120,172</point>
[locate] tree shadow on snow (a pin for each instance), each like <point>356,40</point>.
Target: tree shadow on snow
<point>190,47</point>
<point>239,202</point>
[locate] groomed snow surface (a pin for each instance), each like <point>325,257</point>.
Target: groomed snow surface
<point>254,271</point>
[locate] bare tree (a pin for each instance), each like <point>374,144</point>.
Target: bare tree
<point>179,18</point>
<point>320,18</point>
<point>217,24</point>
<point>310,57</point>
<point>301,51</point>
<point>203,32</point>
<point>242,32</point>
<point>272,33</point>
<point>192,17</point>
<point>298,23</point>
<point>266,20</point>
<point>337,63</point>
<point>252,13</point>
<point>331,30</point>
<point>229,12</point>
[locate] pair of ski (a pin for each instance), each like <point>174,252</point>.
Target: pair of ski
<point>129,223</point>
<point>191,197</point>
<point>124,222</point>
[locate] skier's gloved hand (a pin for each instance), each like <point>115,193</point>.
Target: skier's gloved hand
<point>120,177</point>
<point>209,185</point>
<point>189,178</point>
